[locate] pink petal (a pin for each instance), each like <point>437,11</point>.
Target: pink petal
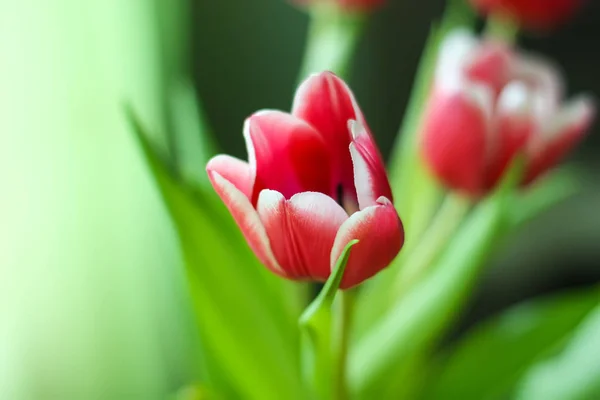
<point>455,138</point>
<point>542,76</point>
<point>326,102</point>
<point>370,177</point>
<point>288,154</point>
<point>247,219</point>
<point>490,65</point>
<point>234,170</point>
<point>513,125</point>
<point>381,236</point>
<point>569,126</point>
<point>301,230</point>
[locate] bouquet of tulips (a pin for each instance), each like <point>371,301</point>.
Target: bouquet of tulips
<point>317,272</point>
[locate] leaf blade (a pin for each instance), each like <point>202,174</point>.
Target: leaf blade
<point>499,350</point>
<point>232,293</point>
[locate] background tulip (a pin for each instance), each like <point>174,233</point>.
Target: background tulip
<point>490,102</point>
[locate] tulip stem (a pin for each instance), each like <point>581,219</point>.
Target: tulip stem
<point>331,40</point>
<point>432,243</point>
<point>502,28</point>
<point>346,302</point>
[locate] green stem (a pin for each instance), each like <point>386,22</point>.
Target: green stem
<point>345,312</point>
<point>501,27</point>
<point>433,242</point>
<point>331,40</point>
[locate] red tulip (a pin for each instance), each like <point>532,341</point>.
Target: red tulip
<point>314,181</point>
<point>350,5</point>
<point>531,13</point>
<point>490,102</point>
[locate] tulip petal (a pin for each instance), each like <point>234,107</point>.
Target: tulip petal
<point>370,177</point>
<point>490,65</point>
<point>542,76</point>
<point>327,103</point>
<point>301,231</point>
<point>247,219</point>
<point>455,51</point>
<point>287,154</point>
<point>513,126</point>
<point>566,130</point>
<point>381,236</point>
<point>456,136</point>
<point>234,170</point>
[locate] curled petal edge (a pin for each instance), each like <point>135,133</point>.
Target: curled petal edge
<point>380,233</point>
<point>247,219</point>
<point>370,176</point>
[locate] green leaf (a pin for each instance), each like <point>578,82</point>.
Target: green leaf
<point>419,318</point>
<point>414,322</point>
<point>193,141</point>
<point>549,191</point>
<point>412,263</point>
<point>316,330</point>
<point>247,322</point>
<point>573,374</point>
<point>489,360</point>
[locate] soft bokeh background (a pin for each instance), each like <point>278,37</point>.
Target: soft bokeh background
<point>92,295</point>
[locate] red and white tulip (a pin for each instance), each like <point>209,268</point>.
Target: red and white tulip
<point>314,181</point>
<point>490,102</point>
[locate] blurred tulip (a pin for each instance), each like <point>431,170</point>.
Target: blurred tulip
<point>349,5</point>
<point>315,181</point>
<point>490,102</point>
<point>537,14</point>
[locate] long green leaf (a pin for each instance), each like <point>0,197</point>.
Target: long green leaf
<point>489,360</point>
<point>425,310</point>
<point>247,324</point>
<point>557,187</point>
<point>419,318</point>
<point>574,374</point>
<point>192,140</point>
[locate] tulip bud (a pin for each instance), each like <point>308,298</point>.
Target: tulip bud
<point>314,182</point>
<point>536,14</point>
<point>490,102</point>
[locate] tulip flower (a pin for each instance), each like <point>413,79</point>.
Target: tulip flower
<point>315,180</point>
<point>490,102</point>
<point>349,5</point>
<point>531,13</point>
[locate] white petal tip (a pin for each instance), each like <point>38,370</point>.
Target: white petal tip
<point>516,100</point>
<point>579,111</point>
<point>356,129</point>
<point>455,52</point>
<point>384,201</point>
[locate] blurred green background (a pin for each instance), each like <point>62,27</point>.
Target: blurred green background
<point>92,294</point>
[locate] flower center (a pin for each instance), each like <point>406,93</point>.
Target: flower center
<point>348,203</point>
